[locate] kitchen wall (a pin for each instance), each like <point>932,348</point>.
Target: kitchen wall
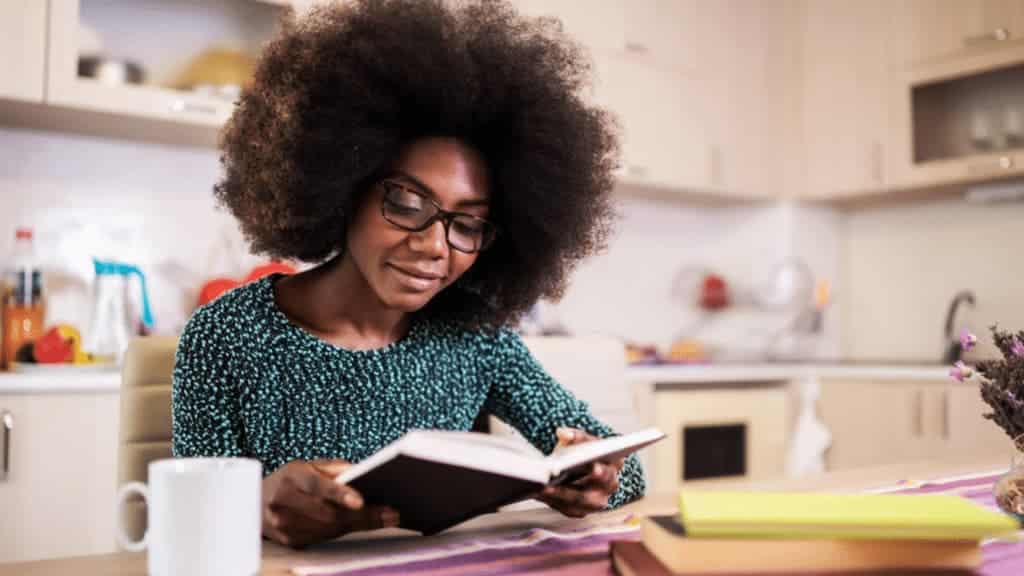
<point>643,288</point>
<point>140,203</point>
<point>151,205</point>
<point>901,266</point>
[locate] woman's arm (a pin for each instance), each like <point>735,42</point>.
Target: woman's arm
<point>525,396</point>
<point>206,414</point>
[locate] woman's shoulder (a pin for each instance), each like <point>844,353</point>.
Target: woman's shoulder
<point>235,311</point>
<point>486,340</point>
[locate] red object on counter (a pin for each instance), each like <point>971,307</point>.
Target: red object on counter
<point>217,286</point>
<point>268,269</point>
<point>714,293</point>
<point>214,288</point>
<point>53,348</point>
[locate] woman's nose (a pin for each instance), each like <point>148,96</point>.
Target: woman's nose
<point>431,241</point>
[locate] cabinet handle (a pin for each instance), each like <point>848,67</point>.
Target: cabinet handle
<point>980,168</point>
<point>635,48</point>
<point>6,425</point>
<point>918,407</point>
<point>945,414</point>
<point>997,35</point>
<point>717,173</point>
<point>182,107</point>
<point>877,165</point>
<point>635,170</point>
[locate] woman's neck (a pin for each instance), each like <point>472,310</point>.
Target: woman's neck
<point>334,302</point>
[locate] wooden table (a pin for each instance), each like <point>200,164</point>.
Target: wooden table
<point>278,560</point>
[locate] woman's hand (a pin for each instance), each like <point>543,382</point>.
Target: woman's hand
<point>588,494</point>
<point>302,504</point>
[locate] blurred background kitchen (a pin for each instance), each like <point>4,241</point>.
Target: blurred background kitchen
<point>817,197</point>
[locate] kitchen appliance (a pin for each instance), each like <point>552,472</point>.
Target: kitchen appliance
<point>113,321</point>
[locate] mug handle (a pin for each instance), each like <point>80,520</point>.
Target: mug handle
<point>122,497</point>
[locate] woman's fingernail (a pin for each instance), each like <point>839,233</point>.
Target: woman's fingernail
<point>598,469</point>
<point>353,500</point>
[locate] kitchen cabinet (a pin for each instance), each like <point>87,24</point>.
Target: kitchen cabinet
<point>966,430</point>
<point>662,123</point>
<point>845,96</point>
<point>744,78</point>
<point>878,422</point>
<point>167,39</point>
<point>658,32</point>
<point>22,49</point>
<point>950,120</point>
<point>57,498</point>
<point>643,58</point>
<point>927,31</point>
<point>726,430</point>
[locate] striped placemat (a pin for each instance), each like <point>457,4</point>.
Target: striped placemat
<point>584,552</point>
<point>999,558</point>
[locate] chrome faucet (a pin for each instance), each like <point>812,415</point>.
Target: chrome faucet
<point>953,349</point>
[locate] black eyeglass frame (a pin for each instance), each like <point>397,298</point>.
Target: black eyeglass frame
<point>445,216</point>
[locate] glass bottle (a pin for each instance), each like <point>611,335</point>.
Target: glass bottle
<point>23,304</point>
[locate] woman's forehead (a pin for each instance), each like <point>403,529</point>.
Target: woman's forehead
<point>446,169</point>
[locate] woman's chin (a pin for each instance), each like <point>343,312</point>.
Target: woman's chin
<point>407,302</point>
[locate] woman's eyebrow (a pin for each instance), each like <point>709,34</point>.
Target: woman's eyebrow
<point>467,203</point>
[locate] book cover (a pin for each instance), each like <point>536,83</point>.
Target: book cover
<point>666,539</point>
<point>839,516</point>
<point>630,558</point>
<point>437,479</point>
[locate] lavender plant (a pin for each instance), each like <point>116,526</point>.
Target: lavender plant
<point>1001,381</point>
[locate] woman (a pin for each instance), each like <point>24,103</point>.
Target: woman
<point>441,172</point>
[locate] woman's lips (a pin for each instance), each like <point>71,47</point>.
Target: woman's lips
<point>419,280</point>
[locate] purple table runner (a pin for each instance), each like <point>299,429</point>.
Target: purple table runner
<point>585,552</point>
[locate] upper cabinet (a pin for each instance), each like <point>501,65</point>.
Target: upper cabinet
<point>165,60</point>
<point>22,49</point>
<point>743,79</point>
<point>845,96</point>
<point>927,31</point>
<point>644,69</point>
<point>656,32</point>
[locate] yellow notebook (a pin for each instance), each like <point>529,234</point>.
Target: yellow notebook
<point>839,516</point>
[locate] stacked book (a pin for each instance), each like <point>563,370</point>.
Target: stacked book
<point>732,533</point>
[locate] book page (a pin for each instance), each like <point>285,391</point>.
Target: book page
<point>566,462</point>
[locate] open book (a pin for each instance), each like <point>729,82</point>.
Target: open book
<point>437,479</point>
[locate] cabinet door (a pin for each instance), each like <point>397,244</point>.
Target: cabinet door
<point>665,31</point>
<point>930,30</point>
<point>58,499</point>
<point>763,414</point>
<point>743,79</point>
<point>661,117</point>
<point>845,95</point>
<point>876,423</point>
<point>599,26</point>
<point>22,49</point>
<point>965,429</point>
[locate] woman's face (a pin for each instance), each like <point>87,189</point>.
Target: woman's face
<point>405,269</point>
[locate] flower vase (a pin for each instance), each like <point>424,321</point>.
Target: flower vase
<point>1009,488</point>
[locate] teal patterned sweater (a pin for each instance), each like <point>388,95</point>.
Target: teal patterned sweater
<point>250,383</point>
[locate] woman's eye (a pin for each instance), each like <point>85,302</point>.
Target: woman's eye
<point>467,228</point>
<point>405,208</point>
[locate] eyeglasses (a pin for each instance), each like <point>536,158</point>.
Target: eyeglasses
<point>410,209</point>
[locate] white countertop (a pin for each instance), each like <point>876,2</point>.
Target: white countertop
<point>722,373</point>
<point>61,382</point>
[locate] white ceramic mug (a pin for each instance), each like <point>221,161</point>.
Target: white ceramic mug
<point>203,517</point>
